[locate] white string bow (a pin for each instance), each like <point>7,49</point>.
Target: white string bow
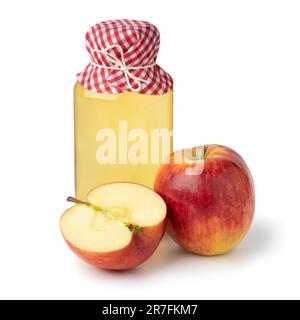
<point>120,65</point>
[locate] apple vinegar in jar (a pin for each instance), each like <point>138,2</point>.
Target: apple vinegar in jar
<point>123,107</point>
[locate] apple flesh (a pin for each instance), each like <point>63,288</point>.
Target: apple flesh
<point>118,228</point>
<point>210,198</point>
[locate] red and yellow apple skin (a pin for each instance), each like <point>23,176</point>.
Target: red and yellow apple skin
<point>140,249</point>
<point>210,211</point>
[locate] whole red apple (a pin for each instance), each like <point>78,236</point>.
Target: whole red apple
<point>209,193</point>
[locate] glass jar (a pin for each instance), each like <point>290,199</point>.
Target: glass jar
<point>123,106</point>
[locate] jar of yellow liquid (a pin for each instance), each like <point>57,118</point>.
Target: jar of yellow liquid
<point>123,105</point>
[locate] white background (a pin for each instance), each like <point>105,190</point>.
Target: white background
<point>236,66</point>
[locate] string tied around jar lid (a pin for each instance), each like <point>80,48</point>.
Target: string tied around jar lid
<point>120,65</point>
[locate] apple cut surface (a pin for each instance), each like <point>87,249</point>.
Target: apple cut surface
<point>142,206</point>
<point>119,226</point>
<point>92,231</point>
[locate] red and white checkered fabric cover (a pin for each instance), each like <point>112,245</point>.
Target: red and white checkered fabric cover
<point>139,41</point>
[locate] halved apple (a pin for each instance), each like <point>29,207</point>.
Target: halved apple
<point>118,228</point>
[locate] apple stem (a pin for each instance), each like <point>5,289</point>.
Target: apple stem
<point>74,200</point>
<point>194,152</point>
<point>199,153</point>
<point>205,152</point>
<point>131,227</point>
